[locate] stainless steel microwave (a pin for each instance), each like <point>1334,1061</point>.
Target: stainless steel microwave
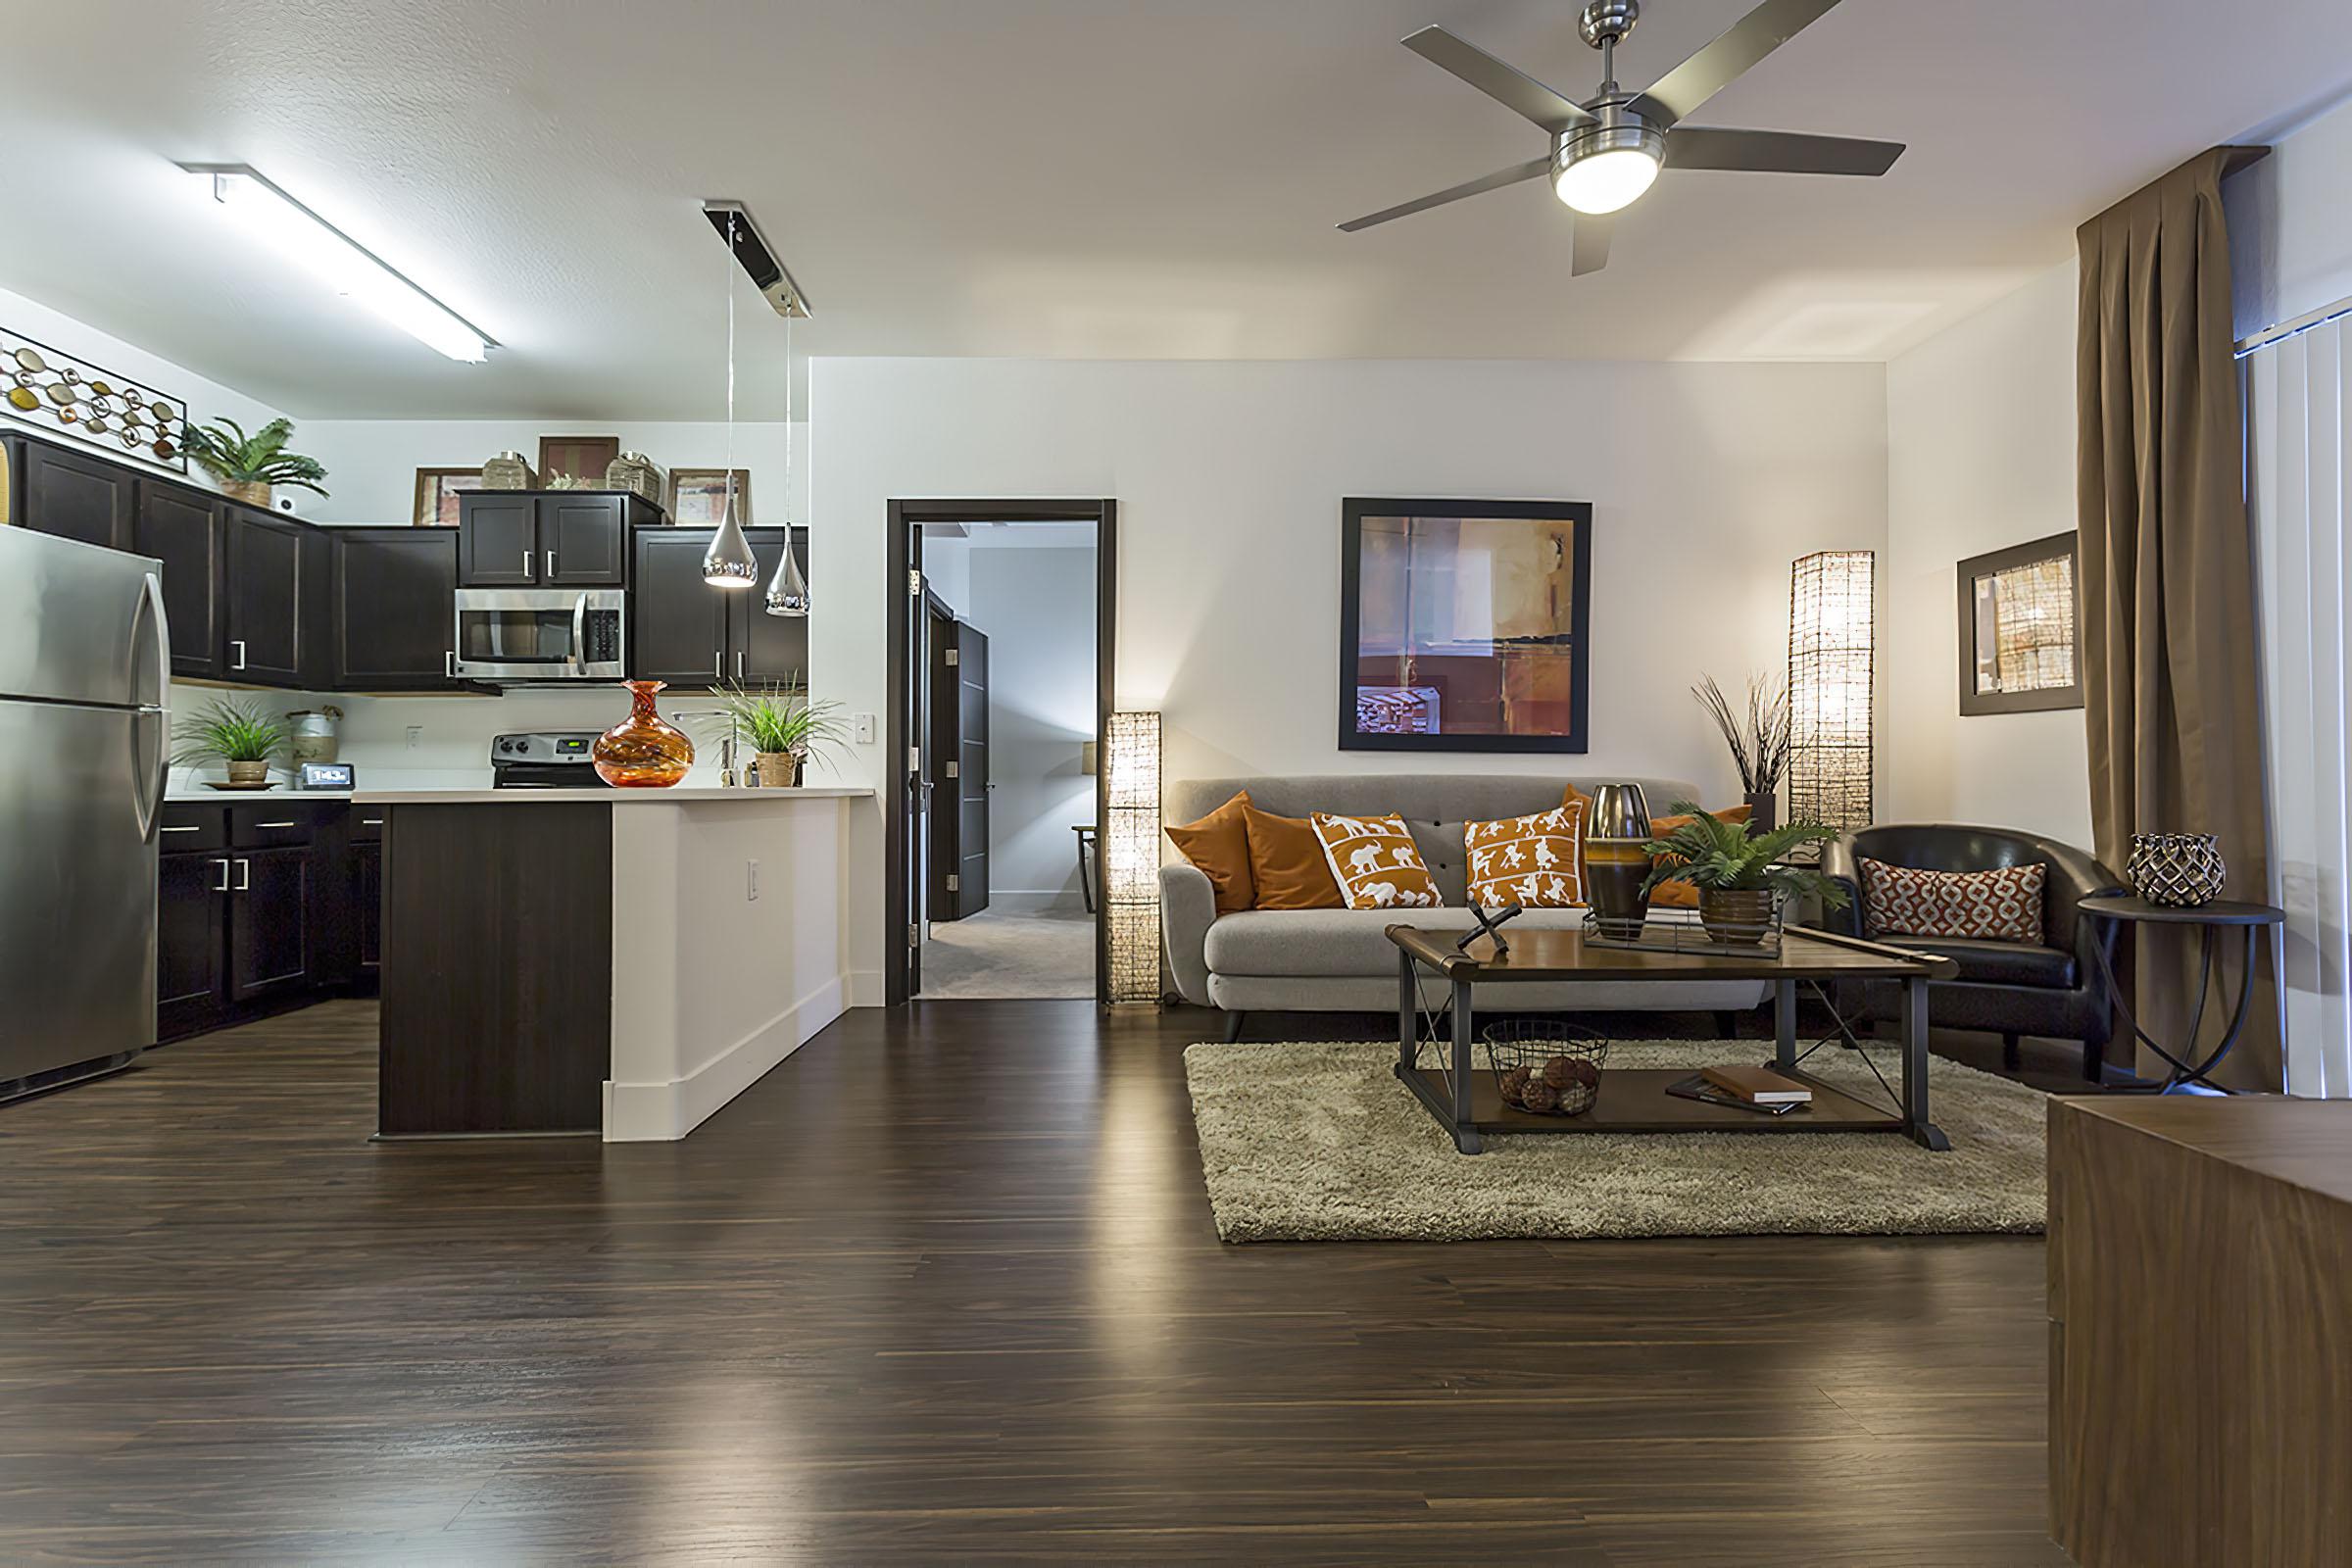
<point>517,635</point>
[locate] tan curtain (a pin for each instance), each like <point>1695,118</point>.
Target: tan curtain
<point>2168,640</point>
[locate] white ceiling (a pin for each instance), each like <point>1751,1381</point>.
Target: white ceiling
<point>1151,178</point>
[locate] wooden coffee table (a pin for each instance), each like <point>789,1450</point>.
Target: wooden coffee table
<point>1467,1104</point>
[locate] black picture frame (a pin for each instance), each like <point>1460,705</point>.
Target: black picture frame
<point>1355,511</point>
<point>1973,570</point>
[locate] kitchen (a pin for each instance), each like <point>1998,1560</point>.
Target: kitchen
<point>477,662</point>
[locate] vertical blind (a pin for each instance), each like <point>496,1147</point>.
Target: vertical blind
<point>2299,419</point>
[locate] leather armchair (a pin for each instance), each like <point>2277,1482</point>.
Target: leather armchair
<point>2054,990</point>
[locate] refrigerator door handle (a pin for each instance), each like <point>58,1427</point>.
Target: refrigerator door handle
<point>147,805</point>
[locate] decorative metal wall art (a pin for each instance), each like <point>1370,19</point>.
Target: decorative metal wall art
<point>46,386</point>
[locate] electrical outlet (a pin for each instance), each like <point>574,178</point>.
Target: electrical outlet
<point>866,729</point>
<point>751,881</point>
<point>415,736</point>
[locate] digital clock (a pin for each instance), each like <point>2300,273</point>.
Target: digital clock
<point>325,776</point>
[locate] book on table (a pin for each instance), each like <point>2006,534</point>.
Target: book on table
<point>1757,1086</point>
<point>1695,1087</point>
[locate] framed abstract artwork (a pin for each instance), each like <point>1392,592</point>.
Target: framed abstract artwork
<point>698,496</point>
<point>2020,629</point>
<point>437,492</point>
<point>1464,625</point>
<point>581,458</point>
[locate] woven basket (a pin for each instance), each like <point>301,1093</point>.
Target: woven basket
<point>1546,1066</point>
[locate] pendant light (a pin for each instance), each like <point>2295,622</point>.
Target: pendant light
<point>729,562</point>
<point>788,589</point>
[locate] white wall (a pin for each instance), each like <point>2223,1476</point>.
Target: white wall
<point>371,463</point>
<point>1979,456</point>
<point>1706,480</point>
<point>2291,228</point>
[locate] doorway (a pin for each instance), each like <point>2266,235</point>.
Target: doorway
<point>1002,650</point>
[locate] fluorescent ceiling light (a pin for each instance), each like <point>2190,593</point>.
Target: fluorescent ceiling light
<point>347,267</point>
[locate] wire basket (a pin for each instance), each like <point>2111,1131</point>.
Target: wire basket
<point>1546,1066</point>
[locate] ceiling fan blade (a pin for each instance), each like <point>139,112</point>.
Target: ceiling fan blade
<point>1592,245</point>
<point>1778,152</point>
<point>1675,94</point>
<point>1494,181</point>
<point>1505,85</point>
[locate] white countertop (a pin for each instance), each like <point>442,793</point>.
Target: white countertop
<point>679,794</point>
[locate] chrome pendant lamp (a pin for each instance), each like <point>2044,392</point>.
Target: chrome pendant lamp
<point>729,562</point>
<point>788,589</point>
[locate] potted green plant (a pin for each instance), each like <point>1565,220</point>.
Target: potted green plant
<point>247,466</point>
<point>1737,870</point>
<point>240,733</point>
<point>785,726</point>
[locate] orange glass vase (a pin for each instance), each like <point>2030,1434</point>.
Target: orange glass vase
<point>643,752</point>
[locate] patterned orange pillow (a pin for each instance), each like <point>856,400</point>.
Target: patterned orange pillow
<point>1530,860</point>
<point>1375,862</point>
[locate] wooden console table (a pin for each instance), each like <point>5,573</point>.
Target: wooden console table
<point>2200,1279</point>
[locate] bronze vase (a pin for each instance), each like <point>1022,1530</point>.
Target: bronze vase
<point>1616,865</point>
<point>642,751</point>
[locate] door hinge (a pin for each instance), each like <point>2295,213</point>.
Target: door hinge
<point>951,771</point>
<point>955,883</point>
<point>914,936</point>
<point>952,660</point>
<point>915,582</point>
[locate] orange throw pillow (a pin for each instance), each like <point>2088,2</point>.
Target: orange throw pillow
<point>1535,861</point>
<point>1682,895</point>
<point>1375,862</point>
<point>1286,864</point>
<point>1219,844</point>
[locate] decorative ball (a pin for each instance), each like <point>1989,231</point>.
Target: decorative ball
<point>1584,1072</point>
<point>1540,1095</point>
<point>1514,1084</point>
<point>1559,1073</point>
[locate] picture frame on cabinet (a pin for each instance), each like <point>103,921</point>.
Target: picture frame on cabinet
<point>437,492</point>
<point>698,496</point>
<point>582,458</point>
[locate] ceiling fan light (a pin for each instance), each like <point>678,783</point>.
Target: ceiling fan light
<point>1606,181</point>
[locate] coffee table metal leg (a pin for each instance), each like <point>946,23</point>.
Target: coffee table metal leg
<point>1408,1013</point>
<point>1915,1067</point>
<point>1783,1024</point>
<point>1465,1132</point>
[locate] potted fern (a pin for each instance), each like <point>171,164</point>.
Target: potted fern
<point>247,466</point>
<point>1737,871</point>
<point>785,726</point>
<point>242,734</point>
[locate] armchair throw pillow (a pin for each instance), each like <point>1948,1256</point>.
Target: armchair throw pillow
<point>2003,904</point>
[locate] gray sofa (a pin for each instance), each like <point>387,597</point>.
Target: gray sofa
<point>1340,961</point>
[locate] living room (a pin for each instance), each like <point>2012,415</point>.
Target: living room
<point>1437,1139</point>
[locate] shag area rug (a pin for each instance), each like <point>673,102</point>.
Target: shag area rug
<point>1320,1143</point>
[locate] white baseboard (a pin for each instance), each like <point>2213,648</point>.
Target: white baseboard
<point>658,1112</point>
<point>866,989</point>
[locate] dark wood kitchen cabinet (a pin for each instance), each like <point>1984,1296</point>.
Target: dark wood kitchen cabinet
<point>392,608</point>
<point>266,601</point>
<point>688,633</point>
<point>183,528</point>
<point>547,539</point>
<point>72,495</point>
<point>191,950</point>
<point>270,921</point>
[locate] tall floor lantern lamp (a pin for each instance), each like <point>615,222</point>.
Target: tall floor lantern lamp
<point>1131,858</point>
<point>1832,640</point>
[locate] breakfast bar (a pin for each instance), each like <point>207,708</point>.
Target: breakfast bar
<point>620,962</point>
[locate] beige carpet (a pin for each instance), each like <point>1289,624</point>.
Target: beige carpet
<point>1321,1143</point>
<point>993,955</point>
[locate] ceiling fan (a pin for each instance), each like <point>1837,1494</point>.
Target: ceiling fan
<point>1606,150</point>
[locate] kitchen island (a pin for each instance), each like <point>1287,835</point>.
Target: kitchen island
<point>598,961</point>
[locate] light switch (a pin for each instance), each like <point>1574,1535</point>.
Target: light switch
<point>751,881</point>
<point>415,736</point>
<point>866,729</point>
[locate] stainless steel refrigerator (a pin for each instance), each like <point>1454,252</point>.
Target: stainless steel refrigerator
<point>84,748</point>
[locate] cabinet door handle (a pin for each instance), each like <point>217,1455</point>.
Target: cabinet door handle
<point>739,667</point>
<point>449,664</point>
<point>718,664</point>
<point>244,876</point>
<point>551,566</point>
<point>221,885</point>
<point>371,821</point>
<point>239,646</point>
<point>527,566</point>
<point>277,824</point>
<point>180,830</point>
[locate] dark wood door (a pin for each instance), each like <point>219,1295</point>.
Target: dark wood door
<point>270,921</point>
<point>74,497</point>
<point>183,528</point>
<point>959,763</point>
<point>766,647</point>
<point>190,949</point>
<point>497,540</point>
<point>265,604</point>
<point>583,541</point>
<point>392,592</point>
<point>679,623</point>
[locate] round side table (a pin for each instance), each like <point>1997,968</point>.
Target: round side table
<point>2210,920</point>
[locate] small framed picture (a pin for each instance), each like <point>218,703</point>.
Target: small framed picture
<point>437,492</point>
<point>581,458</point>
<point>698,496</point>
<point>2020,629</point>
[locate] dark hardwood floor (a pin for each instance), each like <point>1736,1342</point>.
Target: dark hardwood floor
<point>941,1288</point>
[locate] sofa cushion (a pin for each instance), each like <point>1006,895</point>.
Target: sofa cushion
<point>1682,895</point>
<point>1533,862</point>
<point>1287,865</point>
<point>1441,847</point>
<point>1374,863</point>
<point>1219,844</point>
<point>2001,964</point>
<point>1338,942</point>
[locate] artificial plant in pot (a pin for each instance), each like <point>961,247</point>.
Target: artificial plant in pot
<point>247,466</point>
<point>1737,870</point>
<point>785,726</point>
<point>240,733</point>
